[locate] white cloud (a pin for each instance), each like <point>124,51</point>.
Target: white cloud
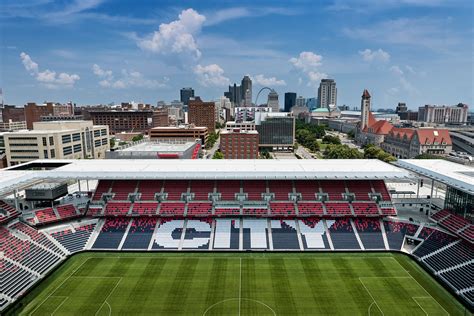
<point>128,79</point>
<point>404,84</point>
<point>308,63</point>
<point>29,64</point>
<point>49,78</point>
<point>227,14</point>
<point>177,36</point>
<point>268,82</point>
<point>396,70</point>
<point>211,75</point>
<point>379,55</point>
<point>101,72</point>
<point>410,69</point>
<point>436,34</point>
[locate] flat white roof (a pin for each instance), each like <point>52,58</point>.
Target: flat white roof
<point>159,147</point>
<point>225,169</point>
<point>450,173</point>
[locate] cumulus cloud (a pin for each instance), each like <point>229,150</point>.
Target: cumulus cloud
<point>396,70</point>
<point>309,63</point>
<point>101,72</point>
<point>177,36</point>
<point>404,84</point>
<point>127,79</point>
<point>48,78</point>
<point>269,82</point>
<point>378,55</point>
<point>29,64</point>
<point>211,75</point>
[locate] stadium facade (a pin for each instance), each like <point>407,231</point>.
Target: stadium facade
<point>226,205</point>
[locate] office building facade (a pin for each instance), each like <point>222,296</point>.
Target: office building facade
<point>276,130</point>
<point>202,114</point>
<point>290,101</point>
<point>456,114</point>
<point>57,140</point>
<point>327,93</point>
<point>186,94</point>
<point>239,144</point>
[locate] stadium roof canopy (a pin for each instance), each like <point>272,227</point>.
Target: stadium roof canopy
<point>260,169</point>
<point>453,174</point>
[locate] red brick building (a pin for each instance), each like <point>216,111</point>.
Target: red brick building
<point>202,113</point>
<point>239,144</point>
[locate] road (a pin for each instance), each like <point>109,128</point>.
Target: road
<point>304,153</point>
<point>344,139</point>
<point>209,153</point>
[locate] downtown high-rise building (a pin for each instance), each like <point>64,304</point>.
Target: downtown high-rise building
<point>234,95</point>
<point>273,101</point>
<point>202,113</point>
<point>290,101</point>
<point>246,91</point>
<point>186,94</point>
<point>327,93</point>
<point>300,101</point>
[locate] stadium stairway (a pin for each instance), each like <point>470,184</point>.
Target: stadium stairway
<point>438,250</point>
<point>125,234</point>
<point>356,233</point>
<point>95,234</point>
<point>24,267</point>
<point>384,235</point>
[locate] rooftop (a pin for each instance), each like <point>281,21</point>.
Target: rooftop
<point>453,174</point>
<point>337,169</point>
<point>159,147</point>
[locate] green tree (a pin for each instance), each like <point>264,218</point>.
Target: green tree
<point>342,152</point>
<point>373,152</point>
<point>137,138</point>
<point>351,134</point>
<point>211,139</point>
<point>329,139</point>
<point>218,155</point>
<point>112,142</point>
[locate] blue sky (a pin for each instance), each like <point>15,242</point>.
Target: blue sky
<point>98,51</point>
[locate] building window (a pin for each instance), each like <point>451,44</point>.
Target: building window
<point>97,143</point>
<point>104,141</point>
<point>67,150</point>
<point>44,142</point>
<point>66,139</point>
<point>51,141</point>
<point>103,132</point>
<point>76,137</point>
<point>97,133</point>
<point>77,148</point>
<point>45,153</point>
<point>53,155</point>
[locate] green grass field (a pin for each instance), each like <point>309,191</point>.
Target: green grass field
<point>239,284</point>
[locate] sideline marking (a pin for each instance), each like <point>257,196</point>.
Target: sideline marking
<point>233,299</point>
<point>56,309</point>
<point>420,284</point>
<point>64,281</point>
<point>105,301</point>
<point>374,301</point>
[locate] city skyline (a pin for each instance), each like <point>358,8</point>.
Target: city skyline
<point>99,52</point>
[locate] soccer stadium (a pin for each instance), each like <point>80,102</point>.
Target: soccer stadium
<point>234,237</point>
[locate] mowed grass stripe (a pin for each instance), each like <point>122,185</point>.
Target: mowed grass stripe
<point>177,294</point>
<point>282,291</point>
<point>140,290</point>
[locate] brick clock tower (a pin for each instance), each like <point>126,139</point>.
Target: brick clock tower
<point>365,110</point>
